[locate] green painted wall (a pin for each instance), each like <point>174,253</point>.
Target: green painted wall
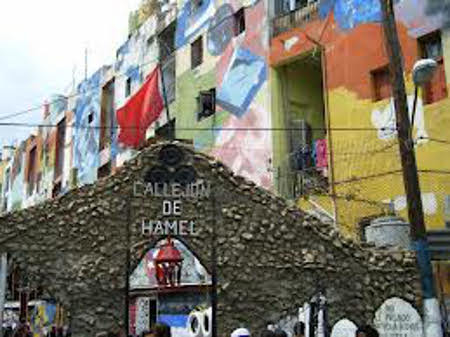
<point>305,99</point>
<point>187,127</point>
<point>296,94</point>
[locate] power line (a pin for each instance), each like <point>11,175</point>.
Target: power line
<point>141,65</point>
<point>18,124</point>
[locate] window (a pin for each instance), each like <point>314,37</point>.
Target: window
<point>168,71</point>
<point>431,47</point>
<point>167,41</point>
<point>381,84</point>
<point>60,143</point>
<point>107,114</point>
<point>206,104</point>
<point>91,117</point>
<point>197,53</point>
<point>239,22</point>
<point>31,178</point>
<point>104,171</point>
<point>153,312</point>
<point>128,87</point>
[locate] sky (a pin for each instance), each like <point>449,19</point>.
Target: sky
<point>42,44</point>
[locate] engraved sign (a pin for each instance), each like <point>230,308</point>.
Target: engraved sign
<point>172,207</point>
<point>398,318</point>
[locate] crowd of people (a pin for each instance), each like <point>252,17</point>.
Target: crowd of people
<point>23,330</point>
<point>162,330</point>
<point>299,331</point>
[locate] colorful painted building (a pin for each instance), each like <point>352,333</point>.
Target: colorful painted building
<point>330,80</point>
<point>303,107</point>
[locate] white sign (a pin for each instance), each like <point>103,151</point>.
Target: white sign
<point>398,318</point>
<point>344,328</point>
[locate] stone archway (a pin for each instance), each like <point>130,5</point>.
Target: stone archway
<point>270,256</point>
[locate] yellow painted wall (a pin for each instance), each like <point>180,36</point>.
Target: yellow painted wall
<point>368,169</point>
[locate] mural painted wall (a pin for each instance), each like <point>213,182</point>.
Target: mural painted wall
<point>367,168</point>
<point>235,65</point>
<point>86,139</point>
<point>366,162</point>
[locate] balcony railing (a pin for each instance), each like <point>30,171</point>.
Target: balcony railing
<point>295,18</point>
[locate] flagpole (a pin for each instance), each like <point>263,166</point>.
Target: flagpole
<point>171,132</point>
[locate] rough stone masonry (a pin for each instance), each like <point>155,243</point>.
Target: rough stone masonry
<point>271,257</point>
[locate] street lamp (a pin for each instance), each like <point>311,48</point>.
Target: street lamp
<point>168,264</point>
<point>422,73</point>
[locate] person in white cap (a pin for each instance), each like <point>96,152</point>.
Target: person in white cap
<point>241,332</point>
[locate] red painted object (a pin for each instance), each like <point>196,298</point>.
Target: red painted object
<point>168,265</point>
<point>141,110</point>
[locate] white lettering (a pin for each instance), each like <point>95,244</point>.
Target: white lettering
<point>177,207</point>
<point>167,207</point>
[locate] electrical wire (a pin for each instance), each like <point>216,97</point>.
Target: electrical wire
<point>75,126</point>
<point>116,75</point>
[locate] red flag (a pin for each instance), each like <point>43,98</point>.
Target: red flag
<point>141,110</point>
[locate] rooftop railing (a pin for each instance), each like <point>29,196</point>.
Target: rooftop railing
<point>296,18</point>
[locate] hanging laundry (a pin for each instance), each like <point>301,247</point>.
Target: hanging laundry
<point>321,153</point>
<point>302,157</point>
<point>141,110</point>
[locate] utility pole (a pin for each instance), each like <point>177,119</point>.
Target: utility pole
<point>410,176</point>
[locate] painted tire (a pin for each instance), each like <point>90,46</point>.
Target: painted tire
<point>194,324</point>
<point>207,323</point>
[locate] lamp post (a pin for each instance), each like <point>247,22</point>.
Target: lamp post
<point>422,73</point>
<point>409,165</point>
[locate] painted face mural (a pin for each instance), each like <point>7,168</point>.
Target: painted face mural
<point>242,81</point>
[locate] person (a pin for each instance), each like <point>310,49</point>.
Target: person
<point>280,333</point>
<point>367,331</point>
<point>23,330</point>
<point>299,329</point>
<point>267,333</point>
<point>162,330</point>
<point>148,333</point>
<point>241,332</point>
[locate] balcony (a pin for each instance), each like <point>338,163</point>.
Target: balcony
<point>296,18</point>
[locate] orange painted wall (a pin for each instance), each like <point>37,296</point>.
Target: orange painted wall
<point>350,56</point>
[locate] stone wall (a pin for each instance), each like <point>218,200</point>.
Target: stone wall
<point>271,257</point>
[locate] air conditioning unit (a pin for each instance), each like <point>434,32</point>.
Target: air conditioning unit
<point>300,137</point>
